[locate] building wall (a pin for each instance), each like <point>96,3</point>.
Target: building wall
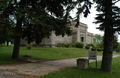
<point>65,39</point>
<point>89,38</point>
<point>81,34</point>
<point>74,38</point>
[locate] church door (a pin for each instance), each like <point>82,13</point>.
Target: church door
<point>82,39</point>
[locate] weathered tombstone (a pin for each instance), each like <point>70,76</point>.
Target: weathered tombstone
<point>82,63</point>
<point>9,43</point>
<point>92,55</point>
<point>26,58</point>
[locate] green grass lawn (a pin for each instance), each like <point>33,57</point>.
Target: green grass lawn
<point>62,53</point>
<point>5,55</point>
<point>43,53</point>
<point>47,53</point>
<point>91,72</point>
<point>54,53</point>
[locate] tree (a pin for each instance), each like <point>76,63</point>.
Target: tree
<point>5,23</point>
<point>35,19</point>
<point>118,48</point>
<point>98,40</point>
<point>109,19</point>
<point>83,6</point>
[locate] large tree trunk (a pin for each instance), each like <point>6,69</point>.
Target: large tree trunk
<point>15,54</point>
<point>108,38</point>
<point>16,48</point>
<point>108,51</point>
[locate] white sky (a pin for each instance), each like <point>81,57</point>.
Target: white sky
<point>89,21</point>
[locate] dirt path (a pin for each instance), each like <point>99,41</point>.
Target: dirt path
<point>35,70</point>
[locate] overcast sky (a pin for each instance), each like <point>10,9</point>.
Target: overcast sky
<point>89,21</point>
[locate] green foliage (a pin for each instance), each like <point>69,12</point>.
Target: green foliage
<point>99,49</point>
<point>67,45</point>
<point>79,44</point>
<point>87,47</point>
<point>93,48</point>
<point>60,45</point>
<point>34,28</point>
<point>29,46</point>
<point>118,48</point>
<point>115,43</point>
<point>112,19</point>
<point>27,18</point>
<point>72,45</point>
<point>6,31</point>
<point>85,9</point>
<point>93,45</point>
<point>98,40</point>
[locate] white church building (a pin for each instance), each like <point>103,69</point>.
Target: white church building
<point>81,35</point>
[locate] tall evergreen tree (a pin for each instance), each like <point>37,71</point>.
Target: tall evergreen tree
<point>5,23</point>
<point>35,19</point>
<point>109,19</point>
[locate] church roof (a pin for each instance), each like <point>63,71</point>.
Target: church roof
<point>80,24</point>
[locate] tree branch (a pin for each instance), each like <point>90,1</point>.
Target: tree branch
<point>116,1</point>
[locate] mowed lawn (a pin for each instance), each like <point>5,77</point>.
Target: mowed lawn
<point>54,53</point>
<point>91,72</point>
<point>62,53</point>
<point>47,53</point>
<point>41,53</point>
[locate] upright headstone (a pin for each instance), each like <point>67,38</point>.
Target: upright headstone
<point>82,63</point>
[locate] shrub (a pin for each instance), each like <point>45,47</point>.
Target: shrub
<point>118,48</point>
<point>93,49</point>
<point>60,45</point>
<point>72,45</point>
<point>93,44</point>
<point>99,49</point>
<point>87,47</point>
<point>29,46</point>
<point>67,45</point>
<point>79,44</point>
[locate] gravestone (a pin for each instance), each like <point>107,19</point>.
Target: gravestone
<point>82,63</point>
<point>26,58</point>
